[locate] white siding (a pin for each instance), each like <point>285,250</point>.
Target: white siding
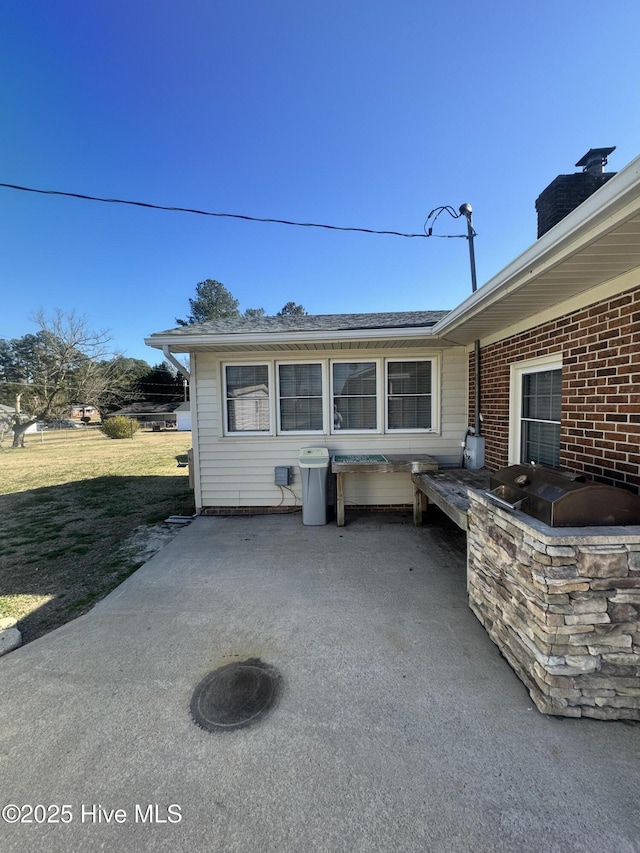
<point>237,471</point>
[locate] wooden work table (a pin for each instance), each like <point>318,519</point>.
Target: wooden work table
<point>448,489</point>
<point>375,463</point>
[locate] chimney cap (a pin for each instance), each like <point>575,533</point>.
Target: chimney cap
<point>595,159</point>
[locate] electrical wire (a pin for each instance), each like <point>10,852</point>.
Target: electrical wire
<point>454,214</point>
<point>244,217</point>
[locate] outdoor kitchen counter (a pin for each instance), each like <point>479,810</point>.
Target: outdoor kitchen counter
<point>342,464</point>
<point>448,489</point>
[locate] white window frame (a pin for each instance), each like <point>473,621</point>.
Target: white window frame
<point>293,432</point>
<point>435,390</point>
<point>326,364</point>
<point>379,395</point>
<point>517,370</point>
<point>225,412</point>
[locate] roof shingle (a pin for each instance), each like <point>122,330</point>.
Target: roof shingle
<point>310,323</point>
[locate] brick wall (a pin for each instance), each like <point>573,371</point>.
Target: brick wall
<point>600,427</point>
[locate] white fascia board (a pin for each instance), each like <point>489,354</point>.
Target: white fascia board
<point>603,205</point>
<point>319,335</point>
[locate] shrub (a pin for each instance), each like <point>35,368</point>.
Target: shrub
<point>119,427</point>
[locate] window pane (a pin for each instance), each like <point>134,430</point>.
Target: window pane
<point>541,443</point>
<point>247,398</point>
<point>300,397</point>
<point>409,395</point>
<point>409,377</point>
<point>300,380</point>
<point>357,378</point>
<point>355,413</point>
<point>410,412</point>
<point>541,413</point>
<point>354,401</point>
<point>541,395</point>
<point>304,414</point>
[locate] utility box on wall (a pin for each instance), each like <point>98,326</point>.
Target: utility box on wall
<point>474,452</point>
<point>282,475</point>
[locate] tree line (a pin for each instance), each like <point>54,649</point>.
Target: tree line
<point>213,300</point>
<point>66,363</point>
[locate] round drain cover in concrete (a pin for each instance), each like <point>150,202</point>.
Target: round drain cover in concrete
<point>235,695</point>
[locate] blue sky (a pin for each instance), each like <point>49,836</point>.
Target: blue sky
<point>365,113</point>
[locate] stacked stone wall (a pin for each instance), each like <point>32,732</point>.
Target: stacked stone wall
<point>563,607</point>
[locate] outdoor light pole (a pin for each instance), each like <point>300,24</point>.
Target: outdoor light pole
<point>474,443</point>
<point>466,210</point>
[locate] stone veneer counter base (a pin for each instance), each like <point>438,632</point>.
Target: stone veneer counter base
<point>562,606</point>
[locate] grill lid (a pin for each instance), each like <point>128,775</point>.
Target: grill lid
<point>562,498</point>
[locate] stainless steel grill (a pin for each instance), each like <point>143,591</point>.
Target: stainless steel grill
<point>562,498</point>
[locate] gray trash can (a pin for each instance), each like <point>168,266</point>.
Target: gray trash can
<point>314,466</point>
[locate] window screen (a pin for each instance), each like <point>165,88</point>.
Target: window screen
<point>409,395</point>
<point>247,397</point>
<point>300,397</point>
<point>354,396</point>
<point>540,419</point>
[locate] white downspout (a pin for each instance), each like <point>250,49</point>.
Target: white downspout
<point>170,357</point>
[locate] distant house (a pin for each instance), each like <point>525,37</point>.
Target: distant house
<point>78,411</point>
<point>151,415</point>
<point>7,415</point>
<point>559,342</point>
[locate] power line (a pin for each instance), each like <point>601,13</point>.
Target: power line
<point>175,209</point>
<point>206,212</point>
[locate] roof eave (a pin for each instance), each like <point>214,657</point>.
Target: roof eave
<point>187,343</point>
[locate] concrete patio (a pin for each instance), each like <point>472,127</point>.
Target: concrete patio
<point>399,728</point>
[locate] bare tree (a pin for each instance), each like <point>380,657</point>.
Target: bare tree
<point>62,365</point>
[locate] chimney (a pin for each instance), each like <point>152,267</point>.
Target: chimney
<point>566,192</point>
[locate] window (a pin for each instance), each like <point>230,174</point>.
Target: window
<point>355,398</point>
<point>300,397</point>
<point>291,397</point>
<point>247,398</point>
<point>536,401</point>
<point>409,395</point>
<point>541,397</point>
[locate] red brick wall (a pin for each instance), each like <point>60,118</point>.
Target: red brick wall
<point>600,428</point>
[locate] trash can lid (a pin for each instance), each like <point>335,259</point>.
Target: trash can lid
<point>314,451</point>
<point>314,456</point>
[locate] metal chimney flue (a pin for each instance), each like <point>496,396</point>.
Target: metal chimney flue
<point>595,160</point>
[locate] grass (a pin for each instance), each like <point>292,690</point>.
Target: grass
<point>69,500</point>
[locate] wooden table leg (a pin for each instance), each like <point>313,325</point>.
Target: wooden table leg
<point>419,506</point>
<point>339,501</point>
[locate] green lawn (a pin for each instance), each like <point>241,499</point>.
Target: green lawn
<point>69,500</point>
